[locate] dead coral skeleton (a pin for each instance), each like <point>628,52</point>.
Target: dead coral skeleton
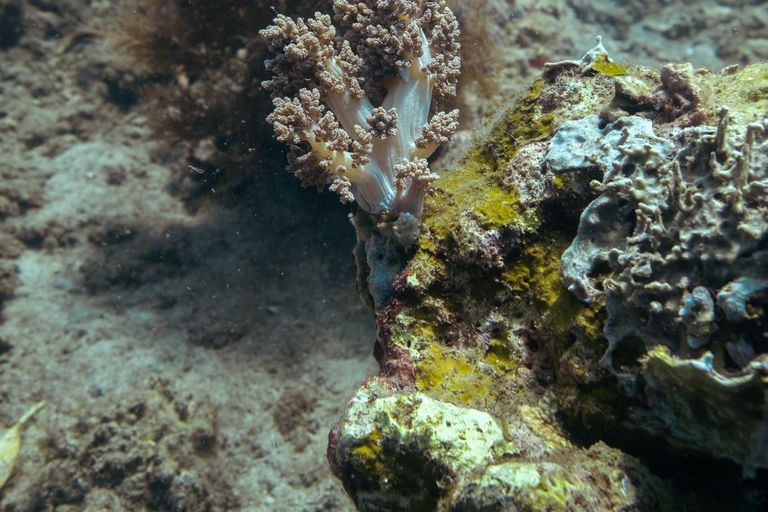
<point>398,54</point>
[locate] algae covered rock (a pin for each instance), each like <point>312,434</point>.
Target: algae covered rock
<point>406,451</point>
<point>590,277</point>
<point>404,448</point>
<point>595,479</point>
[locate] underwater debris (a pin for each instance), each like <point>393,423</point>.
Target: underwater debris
<point>10,443</point>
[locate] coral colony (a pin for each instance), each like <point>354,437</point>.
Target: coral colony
<point>697,217</point>
<point>355,109</point>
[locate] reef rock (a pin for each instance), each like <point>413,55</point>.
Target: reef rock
<point>581,323</point>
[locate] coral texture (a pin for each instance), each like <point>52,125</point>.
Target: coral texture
<point>356,110</point>
<point>681,224</point>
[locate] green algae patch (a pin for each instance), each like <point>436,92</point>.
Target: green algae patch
<point>502,208</point>
<point>536,273</point>
<point>544,486</point>
<point>570,331</point>
<point>607,67</point>
<point>447,375</point>
<point>475,184</point>
<point>469,189</point>
<point>499,355</point>
<point>521,122</point>
<point>589,322</point>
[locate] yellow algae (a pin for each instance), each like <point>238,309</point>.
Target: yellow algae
<point>537,270</point>
<point>498,355</point>
<point>539,423</point>
<point>519,124</point>
<point>450,376</point>
<point>555,488</point>
<point>499,207</point>
<point>369,453</point>
<point>475,183</point>
<point>607,67</point>
<point>413,329</point>
<point>369,449</point>
<point>745,92</point>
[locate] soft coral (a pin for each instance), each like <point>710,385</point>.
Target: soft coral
<point>402,55</point>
